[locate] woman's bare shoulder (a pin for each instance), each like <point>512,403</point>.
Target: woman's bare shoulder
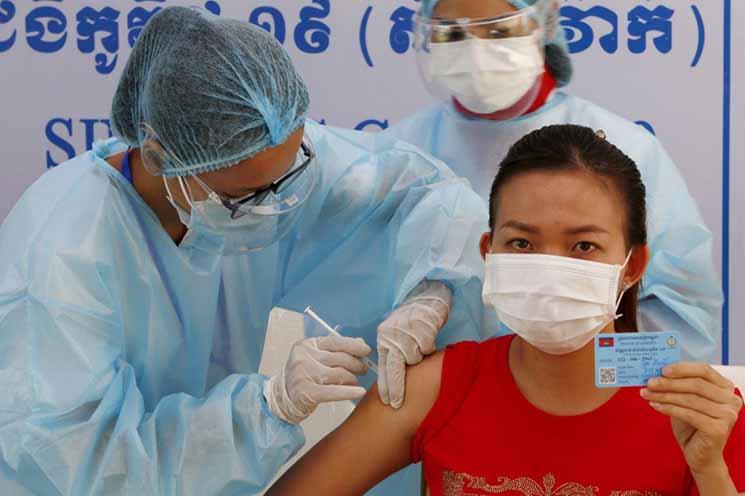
<point>423,382</point>
<point>422,389</point>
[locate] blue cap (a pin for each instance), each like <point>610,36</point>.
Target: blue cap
<point>214,91</point>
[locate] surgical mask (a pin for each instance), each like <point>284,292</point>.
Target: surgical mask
<point>245,234</point>
<point>487,75</point>
<point>557,304</point>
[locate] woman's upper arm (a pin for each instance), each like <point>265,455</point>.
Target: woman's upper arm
<point>373,443</point>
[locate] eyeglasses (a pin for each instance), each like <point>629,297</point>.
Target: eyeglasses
<point>446,32</point>
<point>241,206</point>
<point>509,25</point>
<point>155,156</point>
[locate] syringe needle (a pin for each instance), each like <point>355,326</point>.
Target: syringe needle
<point>309,311</point>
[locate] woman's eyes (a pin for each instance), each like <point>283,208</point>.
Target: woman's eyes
<point>581,248</point>
<point>585,247</point>
<point>519,244</point>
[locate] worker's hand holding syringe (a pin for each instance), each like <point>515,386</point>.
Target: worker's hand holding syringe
<point>319,370</point>
<point>334,331</point>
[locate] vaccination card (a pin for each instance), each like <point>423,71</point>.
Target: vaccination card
<point>631,359</point>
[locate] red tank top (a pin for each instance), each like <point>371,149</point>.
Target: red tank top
<point>483,437</point>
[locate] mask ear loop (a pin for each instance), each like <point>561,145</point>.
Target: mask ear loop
<point>172,201</point>
<point>169,195</point>
<point>626,286</point>
<point>184,192</point>
<point>628,257</point>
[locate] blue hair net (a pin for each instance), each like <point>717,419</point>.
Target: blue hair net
<point>213,91</point>
<point>557,53</point>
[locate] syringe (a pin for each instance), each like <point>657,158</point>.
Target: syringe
<point>333,330</point>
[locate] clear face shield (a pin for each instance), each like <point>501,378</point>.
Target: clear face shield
<point>252,222</point>
<point>485,65</point>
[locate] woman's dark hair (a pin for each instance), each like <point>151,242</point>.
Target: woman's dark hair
<point>568,147</point>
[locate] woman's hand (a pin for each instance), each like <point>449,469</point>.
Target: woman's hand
<point>703,408</point>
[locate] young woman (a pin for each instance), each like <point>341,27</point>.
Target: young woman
<point>520,414</point>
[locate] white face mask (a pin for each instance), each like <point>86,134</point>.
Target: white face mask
<point>244,234</point>
<point>486,76</point>
<point>557,304</point>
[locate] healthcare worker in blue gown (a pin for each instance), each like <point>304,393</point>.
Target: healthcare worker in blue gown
<point>496,66</point>
<point>136,279</point>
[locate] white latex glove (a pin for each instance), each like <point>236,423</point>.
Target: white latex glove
<point>319,370</point>
<point>408,335</point>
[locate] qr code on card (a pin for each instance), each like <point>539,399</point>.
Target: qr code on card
<point>607,375</point>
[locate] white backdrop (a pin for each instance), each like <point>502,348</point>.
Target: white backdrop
<point>663,62</point>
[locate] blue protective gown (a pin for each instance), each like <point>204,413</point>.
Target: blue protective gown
<point>681,289</point>
<point>128,364</point>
